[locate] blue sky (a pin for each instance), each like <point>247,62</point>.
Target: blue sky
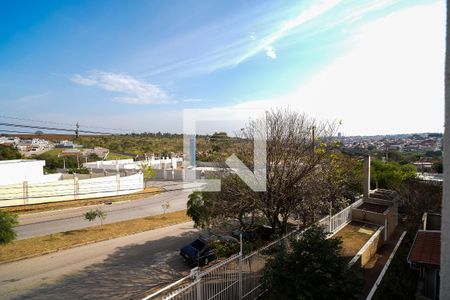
<point>139,64</point>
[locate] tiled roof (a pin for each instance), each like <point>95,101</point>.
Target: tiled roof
<point>426,248</point>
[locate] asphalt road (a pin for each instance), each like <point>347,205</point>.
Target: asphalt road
<point>43,223</point>
<point>114,269</point>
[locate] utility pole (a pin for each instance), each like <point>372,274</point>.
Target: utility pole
<point>77,135</point>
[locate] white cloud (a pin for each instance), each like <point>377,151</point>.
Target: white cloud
<point>136,91</point>
<point>270,52</point>
<point>392,80</point>
<point>304,16</point>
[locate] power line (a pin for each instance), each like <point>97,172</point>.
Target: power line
<point>67,124</point>
<point>16,131</point>
<point>53,128</point>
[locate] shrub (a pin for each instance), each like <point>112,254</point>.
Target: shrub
<point>7,223</point>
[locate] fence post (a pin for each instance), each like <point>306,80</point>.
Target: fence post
<point>76,188</point>
<point>196,274</point>
<point>25,192</point>
<point>330,214</point>
<point>118,183</point>
<point>240,265</point>
<point>385,228</point>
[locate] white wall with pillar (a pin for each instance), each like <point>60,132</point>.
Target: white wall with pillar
<point>71,189</point>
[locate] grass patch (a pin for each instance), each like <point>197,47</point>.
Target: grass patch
<point>69,239</point>
<point>23,209</point>
<point>116,156</point>
<point>53,152</point>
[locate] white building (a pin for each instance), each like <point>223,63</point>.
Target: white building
<point>20,170</point>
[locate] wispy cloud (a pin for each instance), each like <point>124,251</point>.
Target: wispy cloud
<point>304,16</point>
<point>270,52</point>
<point>228,48</point>
<point>387,83</point>
<point>134,91</point>
<point>33,97</point>
<point>216,48</point>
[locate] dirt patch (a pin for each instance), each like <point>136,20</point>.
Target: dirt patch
<point>69,239</point>
<point>374,207</point>
<point>354,236</point>
<point>373,268</point>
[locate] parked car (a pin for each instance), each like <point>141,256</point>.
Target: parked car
<point>198,252</point>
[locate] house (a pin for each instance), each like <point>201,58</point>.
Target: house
<point>425,255</point>
<point>423,166</point>
<point>67,144</point>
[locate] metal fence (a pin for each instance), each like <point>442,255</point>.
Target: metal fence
<point>240,277</point>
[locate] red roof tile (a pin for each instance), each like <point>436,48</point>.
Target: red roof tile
<point>426,248</point>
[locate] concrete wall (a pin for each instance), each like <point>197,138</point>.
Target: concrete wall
<point>130,164</point>
<point>19,170</point>
<point>392,221</point>
<point>367,216</point>
<point>179,175</point>
<point>389,218</point>
<point>71,189</point>
<point>369,249</point>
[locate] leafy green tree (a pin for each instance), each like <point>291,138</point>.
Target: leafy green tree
<point>7,153</point>
<point>53,162</point>
<point>219,141</point>
<point>94,214</point>
<point>93,157</point>
<point>390,175</point>
<point>312,268</point>
<point>199,208</point>
<point>147,171</point>
<point>438,167</point>
<point>7,223</point>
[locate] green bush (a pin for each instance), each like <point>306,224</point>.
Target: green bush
<point>7,223</point>
<point>78,171</point>
<point>311,268</point>
<point>225,249</point>
<point>7,153</point>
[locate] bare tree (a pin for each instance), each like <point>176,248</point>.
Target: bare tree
<point>296,147</point>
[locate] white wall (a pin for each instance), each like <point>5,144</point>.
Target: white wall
<point>129,164</point>
<point>19,170</point>
<point>71,189</point>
